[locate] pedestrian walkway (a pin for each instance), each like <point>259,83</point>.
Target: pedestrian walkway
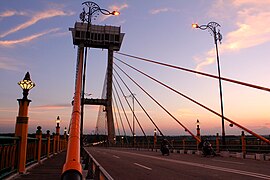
<point>49,169</point>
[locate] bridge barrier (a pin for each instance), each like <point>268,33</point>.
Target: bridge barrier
<point>9,152</point>
<point>94,169</point>
<point>248,145</point>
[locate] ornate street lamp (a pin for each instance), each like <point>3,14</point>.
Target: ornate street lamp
<point>26,84</point>
<point>57,121</point>
<point>213,28</point>
<point>21,128</point>
<point>93,12</point>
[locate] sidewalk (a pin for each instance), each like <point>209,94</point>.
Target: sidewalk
<point>49,169</point>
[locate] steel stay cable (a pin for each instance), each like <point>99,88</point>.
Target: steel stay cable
<point>185,128</point>
<point>116,118</point>
<point>117,107</point>
<point>198,72</point>
<point>123,109</point>
<point>131,109</point>
<point>140,104</point>
<point>196,102</point>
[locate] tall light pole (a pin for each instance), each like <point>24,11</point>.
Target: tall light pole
<point>132,95</point>
<point>213,28</point>
<point>93,12</point>
<point>21,128</point>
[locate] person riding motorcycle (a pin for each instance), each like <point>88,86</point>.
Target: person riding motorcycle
<point>207,148</point>
<point>164,148</point>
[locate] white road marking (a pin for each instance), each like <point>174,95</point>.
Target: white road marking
<point>145,167</point>
<point>116,156</point>
<point>227,161</point>
<point>246,173</point>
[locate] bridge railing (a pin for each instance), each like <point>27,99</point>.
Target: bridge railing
<point>245,144</point>
<point>9,152</point>
<point>8,155</point>
<point>94,169</point>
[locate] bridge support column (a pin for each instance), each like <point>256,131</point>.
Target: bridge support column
<point>21,130</point>
<point>110,122</point>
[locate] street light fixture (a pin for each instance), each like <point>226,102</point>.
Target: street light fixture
<point>213,28</point>
<point>26,84</point>
<point>57,121</point>
<point>132,95</point>
<point>93,12</point>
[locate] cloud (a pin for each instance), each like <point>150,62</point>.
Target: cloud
<point>114,8</point>
<point>51,107</point>
<point>10,43</point>
<point>10,13</point>
<point>36,18</point>
<point>162,10</point>
<point>9,64</point>
<point>251,18</point>
<point>157,11</point>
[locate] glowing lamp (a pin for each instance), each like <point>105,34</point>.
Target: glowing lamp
<point>115,13</point>
<point>57,120</point>
<point>155,131</point>
<point>26,84</point>
<point>195,25</point>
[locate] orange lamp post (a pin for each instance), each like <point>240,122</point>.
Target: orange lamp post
<point>198,132</point>
<point>21,128</point>
<point>65,138</point>
<point>155,138</point>
<point>57,134</point>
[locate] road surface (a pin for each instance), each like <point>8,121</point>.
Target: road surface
<point>131,164</point>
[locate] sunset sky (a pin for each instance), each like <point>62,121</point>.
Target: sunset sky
<point>34,37</point>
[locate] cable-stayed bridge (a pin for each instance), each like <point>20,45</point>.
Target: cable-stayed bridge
<point>131,152</point>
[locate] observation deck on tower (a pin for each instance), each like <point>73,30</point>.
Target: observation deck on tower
<point>97,36</point>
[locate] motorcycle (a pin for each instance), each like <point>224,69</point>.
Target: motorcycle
<point>165,150</point>
<point>207,149</point>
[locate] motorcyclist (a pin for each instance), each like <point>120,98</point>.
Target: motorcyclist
<point>207,148</point>
<point>164,148</point>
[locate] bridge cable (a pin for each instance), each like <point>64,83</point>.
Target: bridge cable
<point>117,107</point>
<point>140,105</point>
<point>198,72</point>
<point>196,102</point>
<point>131,110</point>
<point>116,119</point>
<point>185,128</point>
<point>123,109</point>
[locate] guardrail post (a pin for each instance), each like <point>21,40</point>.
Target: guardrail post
<point>243,140</point>
<point>217,143</point>
<point>90,174</point>
<point>97,173</point>
<point>48,143</point>
<point>39,137</point>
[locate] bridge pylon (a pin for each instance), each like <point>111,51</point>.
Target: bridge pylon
<point>103,37</point>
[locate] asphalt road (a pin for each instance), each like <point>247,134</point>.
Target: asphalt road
<point>146,165</point>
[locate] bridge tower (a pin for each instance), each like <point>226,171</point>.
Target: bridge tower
<point>104,37</point>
